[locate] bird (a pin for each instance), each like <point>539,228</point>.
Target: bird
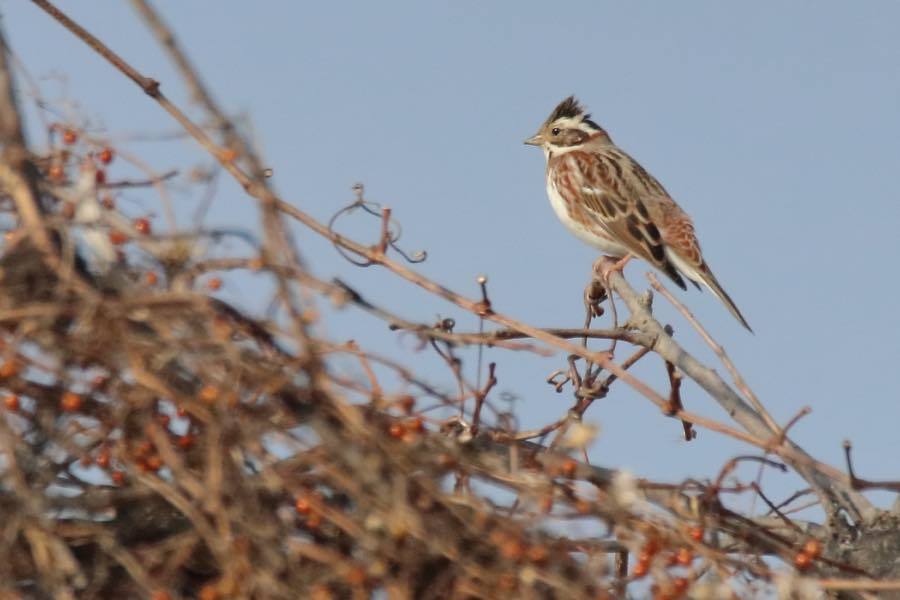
<point>608,200</point>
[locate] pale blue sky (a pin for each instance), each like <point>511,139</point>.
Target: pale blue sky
<point>774,124</point>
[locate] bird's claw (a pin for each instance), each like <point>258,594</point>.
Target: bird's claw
<point>607,265</point>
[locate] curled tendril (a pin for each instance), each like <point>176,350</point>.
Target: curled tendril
<point>394,231</point>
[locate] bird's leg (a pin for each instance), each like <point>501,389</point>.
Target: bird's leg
<point>623,261</point>
<point>605,265</point>
<point>619,265</point>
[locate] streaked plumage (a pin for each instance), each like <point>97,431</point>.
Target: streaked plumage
<point>611,202</point>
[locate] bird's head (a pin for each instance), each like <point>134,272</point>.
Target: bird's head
<point>568,127</point>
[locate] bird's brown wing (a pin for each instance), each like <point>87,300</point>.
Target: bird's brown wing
<point>619,196</point>
<point>678,232</point>
<point>679,236</point>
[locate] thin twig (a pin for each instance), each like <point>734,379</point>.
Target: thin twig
<point>720,352</point>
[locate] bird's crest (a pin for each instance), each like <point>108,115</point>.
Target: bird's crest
<point>568,108</point>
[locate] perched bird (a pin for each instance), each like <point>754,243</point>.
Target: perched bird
<point>608,200</point>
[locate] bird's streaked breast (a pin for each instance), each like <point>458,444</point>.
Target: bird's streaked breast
<point>564,188</point>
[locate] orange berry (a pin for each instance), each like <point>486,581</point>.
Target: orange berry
<point>153,462</point>
<point>185,441</point>
<point>680,585</point>
<point>228,155</point>
<point>209,394</point>
<point>356,576</point>
<point>496,537</point>
<point>813,548</point>
<point>396,430</point>
<point>181,412</point>
<point>321,592</point>
<point>118,477</point>
<point>802,561</point>
<point>10,368</point>
<point>69,137</point>
<point>415,424</point>
<point>103,458</point>
<point>651,547</point>
<point>214,284</point>
<point>538,553</point>
<point>117,237</point>
<point>569,467</point>
<point>151,277</point>
<point>684,557</point>
<point>512,549</point>
<point>302,505</point>
<point>640,569</point>
<point>56,173</point>
<point>313,521</point>
<point>208,592</point>
<point>106,155</point>
<point>100,176</point>
<point>696,533</point>
<point>70,402</point>
<point>142,226</point>
<point>445,461</point>
<point>11,402</point>
<point>143,449</point>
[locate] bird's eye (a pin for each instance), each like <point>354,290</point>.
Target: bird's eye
<point>555,131</point>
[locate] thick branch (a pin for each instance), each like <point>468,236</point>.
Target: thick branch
<point>827,480</point>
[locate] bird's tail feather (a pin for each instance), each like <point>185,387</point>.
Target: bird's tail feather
<point>710,281</point>
<point>703,274</point>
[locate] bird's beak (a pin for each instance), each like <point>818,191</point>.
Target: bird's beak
<point>535,140</point>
